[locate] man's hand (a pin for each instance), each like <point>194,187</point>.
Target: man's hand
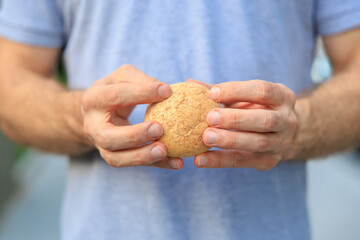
<point>106,106</point>
<point>257,127</point>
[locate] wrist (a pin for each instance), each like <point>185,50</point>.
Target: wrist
<point>302,111</point>
<point>74,118</point>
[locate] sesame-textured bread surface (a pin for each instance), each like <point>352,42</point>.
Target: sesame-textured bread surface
<point>183,118</point>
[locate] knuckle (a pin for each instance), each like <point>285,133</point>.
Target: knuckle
<point>112,162</point>
<point>287,94</point>
<point>87,101</point>
<point>127,67</point>
<point>236,118</point>
<point>102,140</point>
<point>107,156</point>
<point>116,95</point>
<point>264,90</point>
<point>147,90</point>
<point>271,121</point>
<point>234,92</point>
<point>231,141</point>
<point>281,85</point>
<point>262,143</point>
<point>293,121</point>
<point>234,163</point>
<point>283,91</point>
<point>132,138</point>
<point>87,128</point>
<point>220,163</point>
<point>152,79</point>
<point>139,163</point>
<point>238,160</point>
<point>138,159</point>
<point>137,156</point>
<point>291,96</point>
<point>238,156</point>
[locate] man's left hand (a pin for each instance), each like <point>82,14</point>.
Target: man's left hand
<point>255,137</point>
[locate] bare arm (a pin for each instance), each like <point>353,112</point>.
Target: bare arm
<point>35,109</point>
<point>329,119</point>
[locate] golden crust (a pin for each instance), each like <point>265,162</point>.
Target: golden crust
<point>183,118</point>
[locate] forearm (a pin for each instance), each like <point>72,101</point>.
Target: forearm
<point>38,112</point>
<point>329,118</point>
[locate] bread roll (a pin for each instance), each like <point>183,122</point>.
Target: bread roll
<point>183,118</point>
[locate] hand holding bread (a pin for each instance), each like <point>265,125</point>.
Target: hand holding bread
<point>106,106</point>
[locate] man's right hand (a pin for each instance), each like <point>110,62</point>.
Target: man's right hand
<point>106,106</point>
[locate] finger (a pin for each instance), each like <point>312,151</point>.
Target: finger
<point>141,156</point>
<point>122,137</point>
<point>245,141</point>
<point>253,120</point>
<point>208,85</point>
<point>169,163</point>
<point>236,159</point>
<point>130,74</point>
<point>119,95</point>
<point>254,91</point>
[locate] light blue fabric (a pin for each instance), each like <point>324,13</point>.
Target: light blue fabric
<point>212,41</point>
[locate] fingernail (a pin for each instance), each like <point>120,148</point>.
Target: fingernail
<point>164,91</point>
<point>155,130</point>
<point>211,137</point>
<point>174,163</point>
<point>215,93</point>
<point>202,161</point>
<point>158,153</point>
<point>213,118</point>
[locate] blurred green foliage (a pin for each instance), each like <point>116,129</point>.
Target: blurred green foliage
<point>19,151</point>
<point>61,72</point>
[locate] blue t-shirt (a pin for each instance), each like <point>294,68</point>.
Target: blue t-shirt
<point>210,40</point>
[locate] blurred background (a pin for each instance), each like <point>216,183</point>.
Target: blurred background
<point>32,184</point>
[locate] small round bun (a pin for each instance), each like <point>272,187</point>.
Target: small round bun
<point>183,118</point>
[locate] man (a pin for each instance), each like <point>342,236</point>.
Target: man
<point>112,191</point>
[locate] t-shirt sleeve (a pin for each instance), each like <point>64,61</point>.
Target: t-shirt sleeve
<point>35,22</point>
<point>335,16</point>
